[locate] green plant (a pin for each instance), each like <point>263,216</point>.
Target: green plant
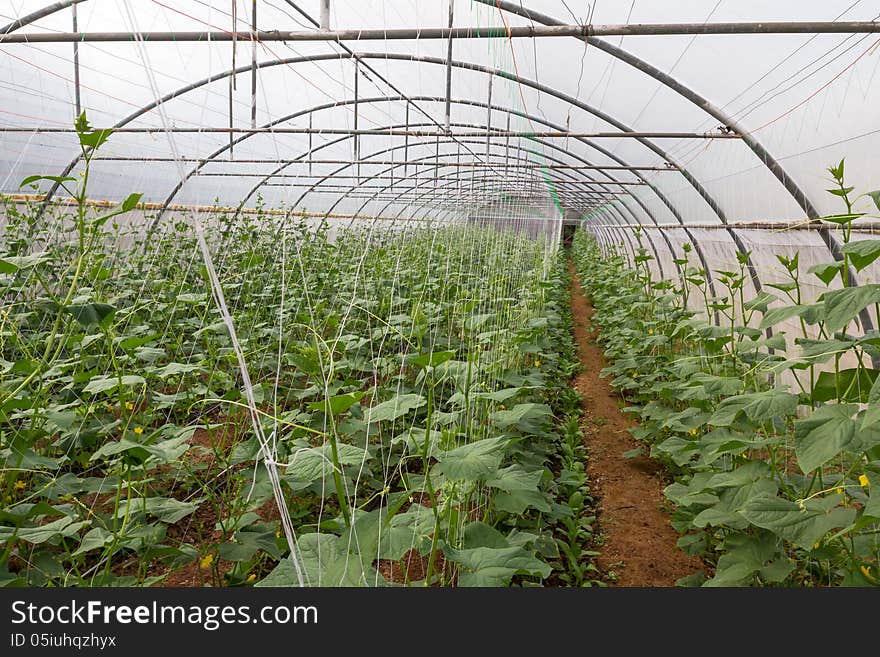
<point>773,486</point>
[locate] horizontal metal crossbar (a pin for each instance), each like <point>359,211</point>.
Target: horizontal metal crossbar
<point>524,31</point>
<point>418,163</point>
<point>503,134</point>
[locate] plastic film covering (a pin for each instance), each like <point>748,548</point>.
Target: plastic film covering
<point>299,204</point>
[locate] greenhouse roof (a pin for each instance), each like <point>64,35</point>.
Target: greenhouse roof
<point>701,112</point>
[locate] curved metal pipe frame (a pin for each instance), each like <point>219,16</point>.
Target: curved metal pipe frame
<point>763,155</point>
<point>617,218</point>
<point>48,10</point>
<point>475,103</point>
<point>320,57</point>
<point>717,113</point>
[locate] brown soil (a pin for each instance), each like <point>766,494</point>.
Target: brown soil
<point>639,543</point>
<point>411,568</point>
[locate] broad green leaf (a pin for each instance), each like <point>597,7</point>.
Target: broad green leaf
<point>63,527</point>
<point>746,556</point>
<point>95,538</point>
<point>851,385</point>
<point>761,302</point>
<point>495,567</point>
<point>872,506</point>
<point>502,396</point>
<point>104,383</point>
<point>801,525</point>
<point>55,179</point>
<point>95,138</point>
<point>395,408</point>
<point>526,417</point>
<point>283,575</point>
<point>872,412</point>
<point>744,474</point>
<point>234,551</point>
<point>165,509</point>
<point>843,218</point>
<point>172,369</point>
<point>758,406</point>
<point>478,534</point>
<point>337,404</point>
<point>718,385</point>
<point>776,315</point>
<point>517,501</point>
<point>149,354</point>
<point>826,271</point>
<point>127,205</point>
<point>875,196</point>
<point>114,447</point>
<point>823,435</point>
<point>819,351</point>
<point>314,464</point>
<point>90,313</point>
<point>862,252</point>
<point>515,477</point>
<point>325,561</point>
<point>192,297</point>
<point>432,359</point>
<point>405,531</point>
<point>842,306</point>
<point>479,460</point>
<point>12,264</point>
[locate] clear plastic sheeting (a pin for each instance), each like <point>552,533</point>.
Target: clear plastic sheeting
<point>220,213</point>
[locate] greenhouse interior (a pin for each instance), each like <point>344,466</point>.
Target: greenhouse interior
<point>460,293</point>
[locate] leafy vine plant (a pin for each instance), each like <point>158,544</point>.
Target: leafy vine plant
<point>415,388</point>
<point>772,486</point>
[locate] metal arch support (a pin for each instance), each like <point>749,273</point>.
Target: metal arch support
<point>400,164</point>
<point>411,145</point>
<point>693,182</point>
<point>449,179</point>
<point>553,159</point>
<point>458,174</point>
<point>343,103</point>
<point>48,10</point>
<point>381,152</point>
<point>352,187</point>
<point>469,102</point>
<point>464,65</point>
<point>341,56</point>
<point>297,114</point>
<point>704,104</point>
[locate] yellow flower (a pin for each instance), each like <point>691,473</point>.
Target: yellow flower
<point>863,481</point>
<point>502,406</point>
<point>278,534</point>
<point>139,430</point>
<point>866,571</point>
<point>650,331</point>
<point>537,363</point>
<point>693,432</point>
<point>206,561</point>
<point>839,491</point>
<point>816,545</point>
<point>20,485</point>
<point>251,577</point>
<point>129,406</point>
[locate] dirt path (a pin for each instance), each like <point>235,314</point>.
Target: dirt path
<point>639,545</point>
